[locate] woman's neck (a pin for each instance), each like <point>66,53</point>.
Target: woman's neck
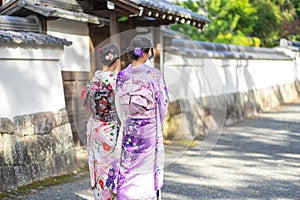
<point>107,69</point>
<point>136,63</point>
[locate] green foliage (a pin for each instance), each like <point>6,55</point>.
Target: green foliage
<point>294,37</point>
<point>269,25</point>
<point>244,22</point>
<point>195,6</point>
<point>296,4</point>
<point>27,189</point>
<point>123,19</point>
<point>231,22</point>
<point>238,39</point>
<point>188,30</point>
<point>291,20</point>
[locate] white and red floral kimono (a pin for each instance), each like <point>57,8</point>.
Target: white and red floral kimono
<point>102,129</point>
<point>142,100</point>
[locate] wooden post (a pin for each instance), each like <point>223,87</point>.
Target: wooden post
<point>114,28</point>
<point>156,47</point>
<point>130,24</point>
<point>93,53</point>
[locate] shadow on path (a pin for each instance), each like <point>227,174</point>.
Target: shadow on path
<point>254,159</point>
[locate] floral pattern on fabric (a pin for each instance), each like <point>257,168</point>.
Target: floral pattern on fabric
<point>102,135</point>
<point>142,99</point>
<point>98,96</point>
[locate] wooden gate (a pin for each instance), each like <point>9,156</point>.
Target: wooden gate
<point>78,116</point>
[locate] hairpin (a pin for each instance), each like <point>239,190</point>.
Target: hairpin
<point>138,51</point>
<point>110,56</point>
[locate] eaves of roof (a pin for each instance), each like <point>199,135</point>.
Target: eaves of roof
<point>49,11</point>
<point>169,11</point>
<point>13,23</point>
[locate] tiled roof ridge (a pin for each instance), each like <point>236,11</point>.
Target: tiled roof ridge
<point>20,37</point>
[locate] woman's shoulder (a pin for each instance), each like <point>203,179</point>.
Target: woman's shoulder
<point>97,76</point>
<point>107,74</point>
<point>151,69</point>
<point>154,72</point>
<point>124,72</point>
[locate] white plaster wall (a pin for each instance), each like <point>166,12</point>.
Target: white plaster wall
<point>268,73</point>
<point>30,81</point>
<point>296,56</point>
<point>297,65</point>
<point>199,77</point>
<point>77,56</point>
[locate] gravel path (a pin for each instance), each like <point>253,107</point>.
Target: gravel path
<point>254,159</point>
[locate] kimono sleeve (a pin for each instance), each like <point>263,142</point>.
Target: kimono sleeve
<point>162,97</point>
<point>86,98</point>
<point>91,159</point>
<point>118,93</point>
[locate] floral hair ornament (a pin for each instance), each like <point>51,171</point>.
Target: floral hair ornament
<point>138,51</point>
<point>110,57</point>
<point>99,50</point>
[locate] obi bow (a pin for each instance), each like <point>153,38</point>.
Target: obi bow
<point>138,97</point>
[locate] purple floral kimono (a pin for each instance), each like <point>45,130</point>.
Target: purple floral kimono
<point>142,100</point>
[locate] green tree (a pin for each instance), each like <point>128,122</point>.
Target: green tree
<point>277,19</point>
<point>232,21</point>
<point>291,19</point>
<point>191,31</point>
<point>296,4</point>
<point>245,22</point>
<point>269,24</point>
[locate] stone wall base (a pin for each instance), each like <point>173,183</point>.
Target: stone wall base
<point>35,147</point>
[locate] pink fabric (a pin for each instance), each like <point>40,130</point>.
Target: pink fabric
<point>101,141</point>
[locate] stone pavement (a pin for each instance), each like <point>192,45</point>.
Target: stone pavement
<point>254,159</point>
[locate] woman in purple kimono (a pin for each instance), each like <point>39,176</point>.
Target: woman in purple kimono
<point>102,127</point>
<point>141,100</point>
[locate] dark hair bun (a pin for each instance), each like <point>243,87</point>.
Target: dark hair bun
<point>138,46</point>
<point>108,54</point>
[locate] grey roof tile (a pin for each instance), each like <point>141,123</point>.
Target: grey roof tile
<point>289,44</point>
<point>200,49</point>
<point>19,38</point>
<point>171,8</point>
<point>21,30</point>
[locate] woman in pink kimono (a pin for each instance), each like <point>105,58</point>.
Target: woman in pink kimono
<point>141,99</point>
<point>102,127</point>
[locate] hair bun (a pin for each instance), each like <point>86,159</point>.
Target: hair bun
<point>108,54</point>
<point>138,46</point>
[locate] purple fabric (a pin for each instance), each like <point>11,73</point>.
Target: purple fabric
<point>142,102</point>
